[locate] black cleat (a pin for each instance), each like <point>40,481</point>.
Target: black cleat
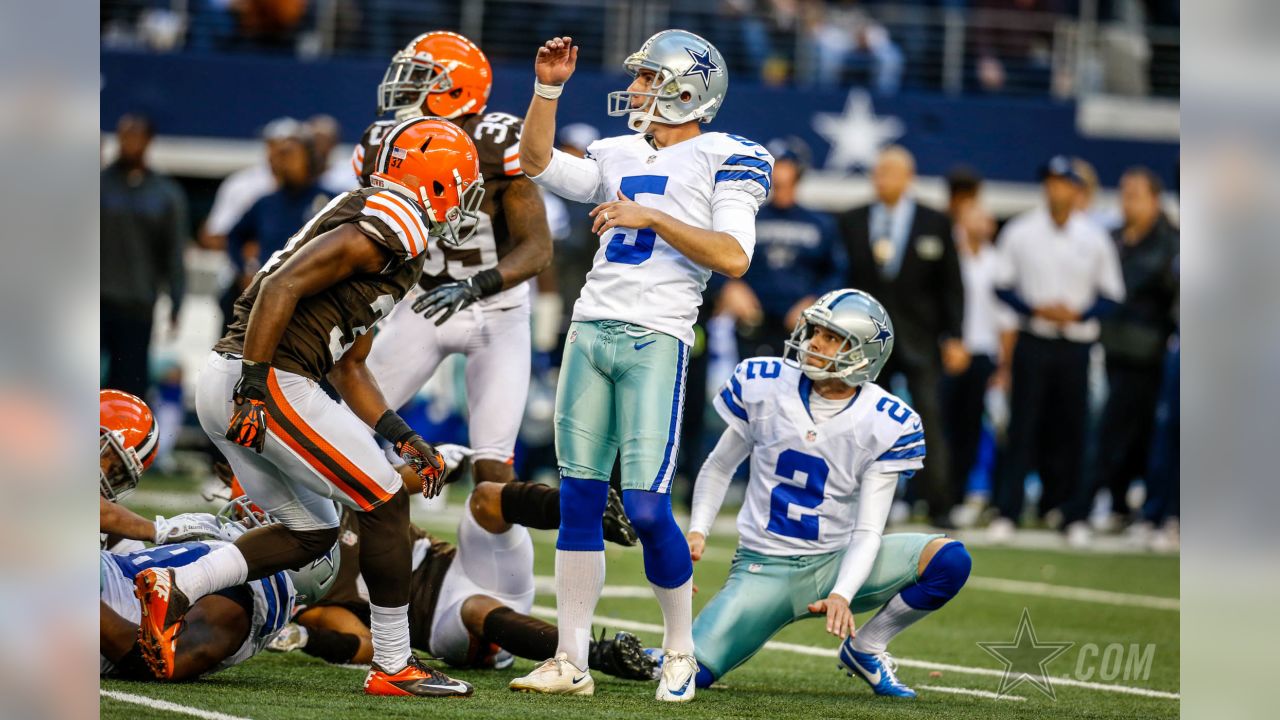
<point>617,528</point>
<point>622,657</point>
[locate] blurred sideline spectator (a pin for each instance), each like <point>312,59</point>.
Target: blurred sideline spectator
<point>335,173</point>
<point>798,257</point>
<point>902,253</point>
<point>1060,272</point>
<point>269,24</point>
<point>1107,218</point>
<point>269,223</point>
<point>964,394</point>
<point>1135,338</point>
<point>1012,54</point>
<point>242,188</point>
<point>144,233</point>
<point>1160,511</point>
<point>844,35</point>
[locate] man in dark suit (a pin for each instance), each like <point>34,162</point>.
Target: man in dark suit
<point>902,253</point>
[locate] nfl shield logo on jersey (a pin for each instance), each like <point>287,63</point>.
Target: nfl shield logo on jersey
<point>811,436</point>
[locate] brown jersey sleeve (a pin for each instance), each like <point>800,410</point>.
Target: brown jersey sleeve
<point>395,222</point>
<point>497,139</point>
<point>365,157</point>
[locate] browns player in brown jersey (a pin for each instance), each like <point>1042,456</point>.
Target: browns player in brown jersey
<point>476,302</point>
<point>307,316</point>
<point>471,601</point>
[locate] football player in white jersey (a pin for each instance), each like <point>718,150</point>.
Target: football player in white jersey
<point>221,629</point>
<point>827,447</point>
<point>674,205</point>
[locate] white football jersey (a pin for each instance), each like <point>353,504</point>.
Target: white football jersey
<point>803,490</point>
<point>273,596</point>
<point>636,276</point>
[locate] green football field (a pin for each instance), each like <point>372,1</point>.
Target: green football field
<point>1119,611</point>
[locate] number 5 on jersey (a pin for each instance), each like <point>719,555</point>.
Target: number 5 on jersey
<point>633,246</point>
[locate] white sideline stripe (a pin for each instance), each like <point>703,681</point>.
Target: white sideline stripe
<point>967,691</point>
<point>546,584</point>
<point>1066,592</point>
<point>166,705</point>
<point>623,624</point>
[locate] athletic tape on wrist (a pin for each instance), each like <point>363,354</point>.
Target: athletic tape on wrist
<point>550,92</point>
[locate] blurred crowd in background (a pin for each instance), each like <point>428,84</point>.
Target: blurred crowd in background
<point>1062,47</point>
<point>1041,352</point>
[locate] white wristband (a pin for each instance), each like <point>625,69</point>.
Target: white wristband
<point>550,92</point>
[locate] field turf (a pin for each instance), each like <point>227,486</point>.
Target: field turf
<point>782,682</point>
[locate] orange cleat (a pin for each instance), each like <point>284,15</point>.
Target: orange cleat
<point>415,679</point>
<point>163,608</point>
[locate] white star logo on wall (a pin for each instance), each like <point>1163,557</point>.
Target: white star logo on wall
<point>856,135</point>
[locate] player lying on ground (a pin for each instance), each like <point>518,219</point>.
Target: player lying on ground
<point>295,450</point>
<point>220,630</point>
<point>674,205</point>
<point>827,448</point>
<point>127,441</point>
<point>473,298</point>
<point>470,603</point>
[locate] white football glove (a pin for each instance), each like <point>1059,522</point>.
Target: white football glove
<point>185,527</point>
<point>455,457</point>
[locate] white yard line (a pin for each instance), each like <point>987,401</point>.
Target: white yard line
<point>1066,592</point>
<point>967,691</point>
<point>546,584</point>
<point>623,624</point>
<point>165,705</point>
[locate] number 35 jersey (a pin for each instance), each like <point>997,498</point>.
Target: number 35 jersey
<point>803,491</point>
<point>636,276</point>
<point>325,325</point>
<point>497,139</point>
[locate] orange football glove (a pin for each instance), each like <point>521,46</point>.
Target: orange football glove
<point>248,426</point>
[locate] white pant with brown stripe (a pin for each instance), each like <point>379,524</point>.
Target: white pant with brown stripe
<point>317,451</point>
<point>495,339</point>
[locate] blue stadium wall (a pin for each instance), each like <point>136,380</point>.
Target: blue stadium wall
<point>232,96</point>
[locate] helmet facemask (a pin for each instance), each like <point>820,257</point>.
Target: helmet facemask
<point>662,88</point>
<point>848,364</point>
<point>408,81</point>
<point>456,224</point>
<point>119,467</point>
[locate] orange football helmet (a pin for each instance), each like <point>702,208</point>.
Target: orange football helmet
<point>435,163</point>
<point>439,73</point>
<point>128,438</point>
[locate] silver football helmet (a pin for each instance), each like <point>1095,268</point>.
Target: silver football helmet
<point>311,581</point>
<point>690,81</point>
<point>858,318</point>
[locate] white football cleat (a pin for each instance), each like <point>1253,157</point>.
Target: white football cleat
<point>556,676</point>
<point>1001,531</point>
<point>288,638</point>
<point>679,673</point>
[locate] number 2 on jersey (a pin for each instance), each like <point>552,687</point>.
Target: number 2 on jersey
<point>632,246</point>
<point>809,496</point>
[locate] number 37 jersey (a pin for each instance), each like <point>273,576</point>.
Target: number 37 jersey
<point>325,325</point>
<point>805,476</point>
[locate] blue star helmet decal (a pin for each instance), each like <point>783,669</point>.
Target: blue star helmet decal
<point>702,66</point>
<point>882,336</point>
